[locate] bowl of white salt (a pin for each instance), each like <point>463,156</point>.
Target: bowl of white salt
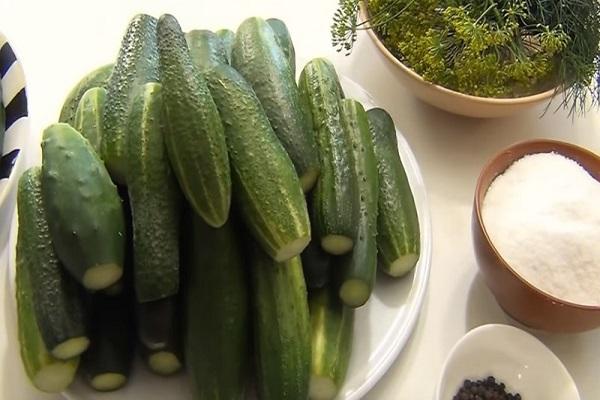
<point>536,231</point>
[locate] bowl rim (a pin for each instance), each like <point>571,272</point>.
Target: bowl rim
<point>480,194</point>
<point>501,101</point>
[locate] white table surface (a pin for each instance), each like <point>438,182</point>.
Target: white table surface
<point>58,41</point>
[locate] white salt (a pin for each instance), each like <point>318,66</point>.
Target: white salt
<point>543,216</point>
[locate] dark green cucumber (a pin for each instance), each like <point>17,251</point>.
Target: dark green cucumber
<point>332,326</point>
<point>45,372</point>
<point>89,114</point>
<point>96,78</point>
<point>137,64</point>
<point>194,133</point>
<point>154,198</point>
<point>357,269</point>
<point>56,296</point>
<point>159,335</point>
<point>206,48</point>
<point>281,328</point>
<point>227,38</point>
<point>398,235</point>
<point>217,345</point>
<point>267,189</point>
<point>332,216</point>
<point>258,57</point>
<point>86,221</point>
<point>107,363</point>
<point>284,39</point>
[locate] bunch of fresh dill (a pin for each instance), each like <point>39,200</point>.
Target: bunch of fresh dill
<point>490,48</point>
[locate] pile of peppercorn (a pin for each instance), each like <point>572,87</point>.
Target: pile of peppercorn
<point>485,389</point>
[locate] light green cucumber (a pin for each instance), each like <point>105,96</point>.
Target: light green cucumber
<point>206,48</point>
<point>334,195</point>
<point>87,224</point>
<point>282,34</point>
<point>267,189</point>
<point>227,38</point>
<point>154,199</point>
<point>137,64</point>
<point>194,133</point>
<point>89,114</point>
<point>261,61</point>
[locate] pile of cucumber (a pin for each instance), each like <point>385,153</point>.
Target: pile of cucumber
<point>199,205</point>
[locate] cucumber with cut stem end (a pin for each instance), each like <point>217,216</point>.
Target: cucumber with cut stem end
<point>206,48</point>
<point>89,114</point>
<point>284,39</point>
<point>227,38</point>
<point>398,237</point>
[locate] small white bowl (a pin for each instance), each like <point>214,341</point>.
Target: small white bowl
<point>514,357</point>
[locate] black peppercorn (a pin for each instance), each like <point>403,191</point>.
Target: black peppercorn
<point>485,389</point>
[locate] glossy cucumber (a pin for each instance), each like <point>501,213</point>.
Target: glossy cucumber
<point>284,39</point>
<point>206,48</point>
<point>89,114</point>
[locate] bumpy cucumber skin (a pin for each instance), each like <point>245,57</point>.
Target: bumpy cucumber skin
<point>333,195</point>
<point>281,328</point>
<point>155,199</point>
<point>137,64</point>
<point>194,133</point>
<point>282,34</point>
<point>206,48</point>
<point>397,221</point>
<point>56,296</point>
<point>87,222</point>
<point>258,57</point>
<point>267,189</point>
<point>217,346</point>
<point>96,78</point>
<point>88,117</point>
<point>227,38</point>
<point>361,263</point>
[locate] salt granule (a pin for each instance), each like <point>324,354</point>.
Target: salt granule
<point>543,216</point>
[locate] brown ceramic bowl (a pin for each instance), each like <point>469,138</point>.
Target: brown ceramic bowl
<point>516,296</point>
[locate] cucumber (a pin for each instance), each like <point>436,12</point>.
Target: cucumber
<point>217,344</point>
<point>96,78</point>
<point>284,39</point>
<point>267,189</point>
<point>398,236</point>
<point>107,364</point>
<point>56,297</point>
<point>281,328</point>
<point>87,225</point>
<point>45,372</point>
<point>227,38</point>
<point>137,63</point>
<point>206,48</point>
<point>332,216</point>
<point>159,335</point>
<point>332,326</point>
<point>258,57</point>
<point>194,133</point>
<point>89,114</point>
<point>357,269</point>
<point>154,199</point>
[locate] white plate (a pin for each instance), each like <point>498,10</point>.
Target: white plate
<point>382,326</point>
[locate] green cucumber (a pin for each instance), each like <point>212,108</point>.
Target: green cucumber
<point>284,39</point>
<point>96,78</point>
<point>89,114</point>
<point>281,328</point>
<point>56,296</point>
<point>217,345</point>
<point>206,48</point>
<point>335,190</point>
<point>87,223</point>
<point>154,198</point>
<point>332,326</point>
<point>258,57</point>
<point>194,133</point>
<point>137,64</point>
<point>398,237</point>
<point>357,269</point>
<point>227,38</point>
<point>45,372</point>
<point>159,335</point>
<point>267,189</point>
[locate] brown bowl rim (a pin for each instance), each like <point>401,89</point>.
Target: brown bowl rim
<point>558,145</point>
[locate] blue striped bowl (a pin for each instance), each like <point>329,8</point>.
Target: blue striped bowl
<point>16,132</point>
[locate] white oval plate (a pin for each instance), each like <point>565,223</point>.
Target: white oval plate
<point>382,326</point>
